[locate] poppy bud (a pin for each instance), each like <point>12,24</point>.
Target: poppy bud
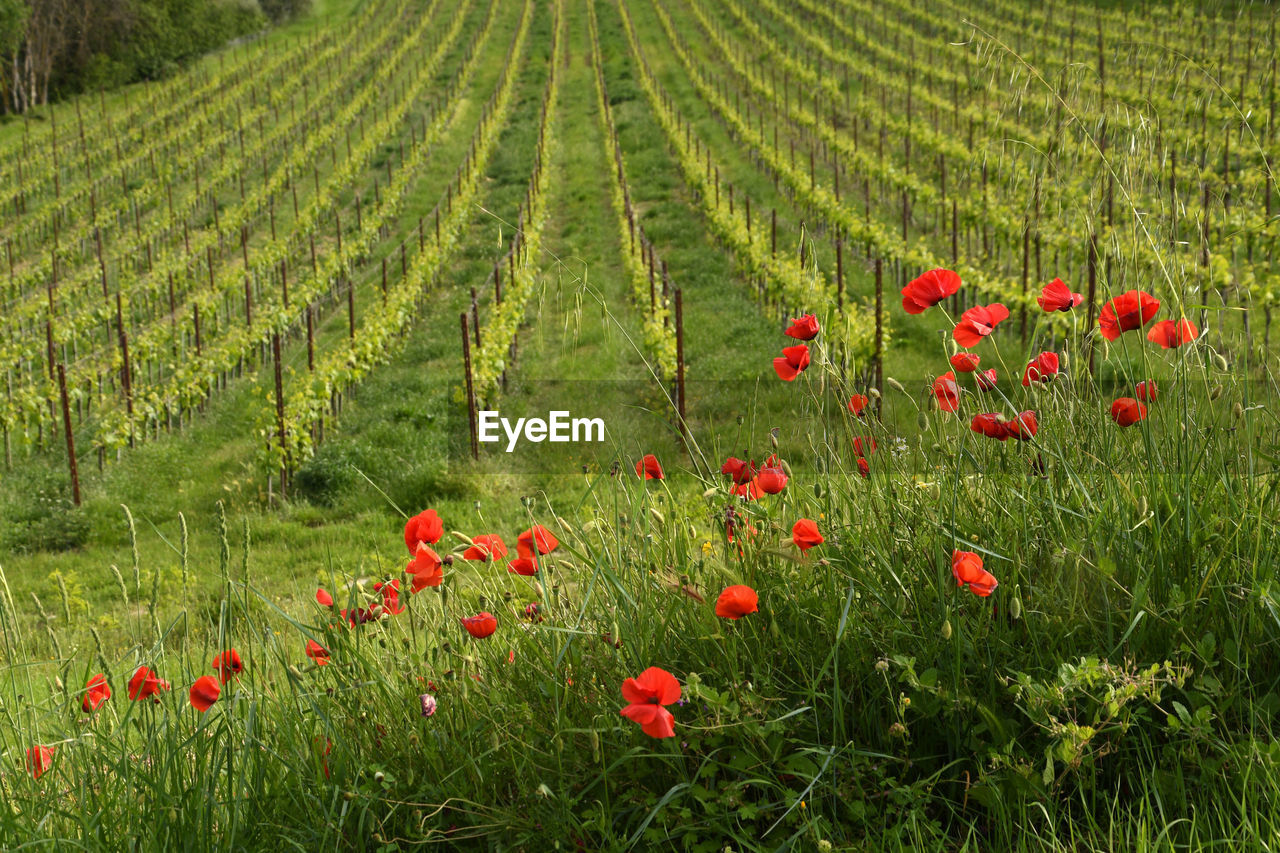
<point>1015,607</point>
<point>1215,392</point>
<point>595,745</point>
<point>348,796</point>
<point>817,490</point>
<point>1221,361</point>
<point>1237,410</point>
<point>946,629</point>
<point>895,384</point>
<point>1142,507</point>
<point>873,393</point>
<point>922,420</point>
<point>654,512</point>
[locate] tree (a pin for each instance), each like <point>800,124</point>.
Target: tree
<point>13,25</point>
<point>281,10</point>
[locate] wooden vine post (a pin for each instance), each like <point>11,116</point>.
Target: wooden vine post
<point>471,391</point>
<point>680,399</point>
<point>879,332</point>
<point>280,434</point>
<point>71,441</point>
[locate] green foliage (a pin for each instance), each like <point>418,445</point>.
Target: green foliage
<point>38,513</point>
<point>284,10</point>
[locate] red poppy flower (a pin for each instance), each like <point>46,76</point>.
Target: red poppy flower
<point>803,328</point>
<point>748,491</point>
<point>858,404</point>
<point>143,684</point>
<point>648,468</point>
<point>323,753</point>
<point>654,688</point>
<point>427,568</point>
<point>317,653</point>
<point>740,470</point>
<point>481,625</point>
<point>227,665</point>
<point>928,290</point>
<point>966,567</point>
<point>773,461</point>
<point>1023,427</point>
<point>526,566</point>
<point>978,322</point>
<point>1056,296</point>
<point>323,598</point>
<point>965,362</point>
<point>990,425</point>
<point>731,527</point>
<point>426,526</point>
<point>945,390</point>
<point>1147,391</point>
<point>359,615</point>
<point>1171,335</point>
<point>772,480</point>
<point>538,535</point>
<point>204,693</point>
<point>390,596</point>
<point>805,534</point>
<point>792,363</point>
<point>1130,310</point>
<point>864,468</point>
<point>39,760</point>
<point>736,601</point>
<point>486,547</point>
<point>863,446</point>
<point>1042,369</point>
<point>1127,411</point>
<point>986,379</point>
<point>96,692</point>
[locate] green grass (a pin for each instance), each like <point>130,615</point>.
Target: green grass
<point>1118,690</point>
